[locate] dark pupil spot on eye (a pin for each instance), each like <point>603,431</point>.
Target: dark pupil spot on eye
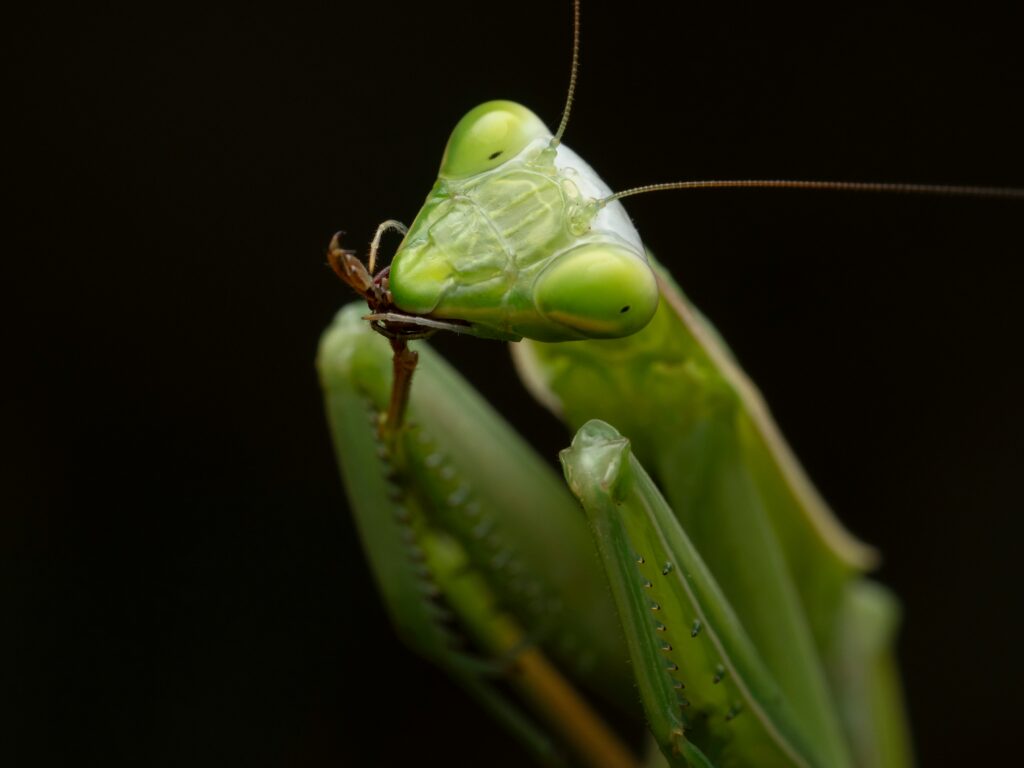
<point>624,309</point>
<point>495,154</point>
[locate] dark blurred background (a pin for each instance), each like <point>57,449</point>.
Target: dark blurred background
<point>182,583</point>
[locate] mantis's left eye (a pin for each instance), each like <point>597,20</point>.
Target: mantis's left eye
<point>600,290</point>
<point>487,136</point>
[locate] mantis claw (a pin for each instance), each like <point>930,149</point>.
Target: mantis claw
<point>351,270</point>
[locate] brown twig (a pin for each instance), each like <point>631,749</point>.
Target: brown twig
<point>373,288</point>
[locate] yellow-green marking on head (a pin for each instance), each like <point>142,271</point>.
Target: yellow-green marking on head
<point>487,136</point>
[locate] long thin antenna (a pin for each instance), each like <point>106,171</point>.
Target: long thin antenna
<point>557,138</point>
<point>836,186</point>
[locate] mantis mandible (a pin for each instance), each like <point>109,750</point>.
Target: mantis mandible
<point>740,601</point>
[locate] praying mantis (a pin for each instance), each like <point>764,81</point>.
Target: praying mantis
<point>752,633</point>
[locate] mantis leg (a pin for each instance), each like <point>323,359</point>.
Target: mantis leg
<point>701,678</point>
<point>449,517</point>
<point>390,224</point>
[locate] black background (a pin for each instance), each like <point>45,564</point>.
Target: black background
<point>183,584</point>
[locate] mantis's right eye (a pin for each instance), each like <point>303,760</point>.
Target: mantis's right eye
<point>598,290</point>
<point>487,136</point>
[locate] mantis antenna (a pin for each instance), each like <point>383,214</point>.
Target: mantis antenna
<point>557,138</point>
<point>953,190</point>
<point>834,186</point>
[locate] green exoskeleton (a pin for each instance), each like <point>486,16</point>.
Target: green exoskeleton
<point>721,599</point>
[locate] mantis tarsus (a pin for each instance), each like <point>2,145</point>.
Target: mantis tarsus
<point>787,573</point>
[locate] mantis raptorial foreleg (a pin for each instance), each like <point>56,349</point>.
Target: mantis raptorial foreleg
<point>449,517</point>
<point>699,673</point>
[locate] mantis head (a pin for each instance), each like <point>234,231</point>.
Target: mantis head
<point>515,240</point>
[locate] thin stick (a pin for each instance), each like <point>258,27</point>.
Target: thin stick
<point>404,365</point>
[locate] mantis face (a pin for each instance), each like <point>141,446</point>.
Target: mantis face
<point>514,239</point>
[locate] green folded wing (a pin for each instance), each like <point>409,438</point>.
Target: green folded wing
<point>863,667</point>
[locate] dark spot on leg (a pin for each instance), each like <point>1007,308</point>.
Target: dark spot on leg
<point>624,309</point>
<point>495,154</point>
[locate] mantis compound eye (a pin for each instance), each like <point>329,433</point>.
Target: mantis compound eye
<point>601,290</point>
<point>487,136</point>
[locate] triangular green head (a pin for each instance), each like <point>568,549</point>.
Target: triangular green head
<point>516,239</point>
